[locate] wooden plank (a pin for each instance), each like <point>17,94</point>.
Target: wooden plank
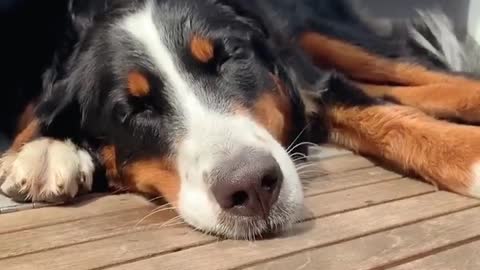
<point>345,180</point>
<point>65,234</point>
<point>100,205</point>
<point>308,235</point>
<point>379,250</point>
<point>356,198</point>
<point>351,199</point>
<point>322,152</point>
<point>90,206</point>
<point>344,163</point>
<point>109,251</point>
<point>466,257</point>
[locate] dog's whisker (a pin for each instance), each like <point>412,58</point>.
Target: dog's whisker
<point>170,221</point>
<point>155,211</point>
<point>156,198</point>
<point>302,144</point>
<point>307,165</point>
<point>299,154</point>
<point>298,137</point>
<point>299,159</point>
<point>121,190</point>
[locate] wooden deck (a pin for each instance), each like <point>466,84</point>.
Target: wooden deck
<point>359,217</point>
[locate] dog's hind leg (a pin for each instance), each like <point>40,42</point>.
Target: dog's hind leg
<point>438,151</point>
<point>361,65</point>
<point>443,101</point>
<point>439,94</point>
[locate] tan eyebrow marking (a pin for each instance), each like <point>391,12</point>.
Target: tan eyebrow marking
<point>138,84</point>
<point>202,48</point>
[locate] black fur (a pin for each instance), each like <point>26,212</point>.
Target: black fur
<point>66,54</point>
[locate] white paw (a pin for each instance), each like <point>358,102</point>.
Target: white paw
<point>46,170</point>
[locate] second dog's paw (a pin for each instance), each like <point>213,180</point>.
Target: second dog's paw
<point>46,170</point>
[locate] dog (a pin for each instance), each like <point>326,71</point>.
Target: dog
<point>210,103</point>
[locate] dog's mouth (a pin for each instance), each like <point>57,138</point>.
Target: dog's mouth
<point>253,228</point>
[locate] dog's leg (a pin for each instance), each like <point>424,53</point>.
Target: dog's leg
<point>361,65</point>
<point>441,152</point>
<point>439,94</point>
<point>43,169</point>
<point>444,101</point>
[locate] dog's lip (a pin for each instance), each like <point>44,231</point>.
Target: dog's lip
<point>248,227</point>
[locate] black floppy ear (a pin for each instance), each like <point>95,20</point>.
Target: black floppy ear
<point>248,13</point>
<point>58,110</point>
<point>83,13</point>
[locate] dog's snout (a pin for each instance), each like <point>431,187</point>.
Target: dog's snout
<point>248,184</point>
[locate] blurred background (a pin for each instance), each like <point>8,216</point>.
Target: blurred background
<point>464,13</point>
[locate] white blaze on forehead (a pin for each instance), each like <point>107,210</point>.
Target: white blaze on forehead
<point>142,26</point>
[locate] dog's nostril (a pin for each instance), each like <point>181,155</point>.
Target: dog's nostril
<point>239,198</point>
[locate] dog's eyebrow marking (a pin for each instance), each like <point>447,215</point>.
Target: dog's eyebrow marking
<point>202,48</point>
<point>138,85</point>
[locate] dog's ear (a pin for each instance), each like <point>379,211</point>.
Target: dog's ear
<point>58,110</point>
<point>83,13</point>
<point>67,93</point>
<point>248,13</point>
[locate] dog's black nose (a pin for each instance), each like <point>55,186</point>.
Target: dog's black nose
<point>248,184</point>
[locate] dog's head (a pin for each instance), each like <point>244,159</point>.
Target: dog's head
<point>195,104</point>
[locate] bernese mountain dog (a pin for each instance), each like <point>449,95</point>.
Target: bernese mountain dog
<point>211,104</point>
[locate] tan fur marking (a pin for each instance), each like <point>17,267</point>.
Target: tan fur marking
<point>109,159</point>
<point>155,177</point>
<point>440,152</point>
<point>202,49</point>
<point>26,117</point>
<point>364,66</point>
<point>28,134</point>
<point>138,85</point>
<point>273,111</point>
<point>445,101</point>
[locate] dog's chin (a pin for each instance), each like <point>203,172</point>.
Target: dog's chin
<point>226,225</point>
<point>252,228</point>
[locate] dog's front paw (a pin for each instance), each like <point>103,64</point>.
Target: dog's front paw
<point>46,170</point>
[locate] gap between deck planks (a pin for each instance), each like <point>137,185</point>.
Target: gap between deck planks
<point>310,235</point>
<point>379,250</point>
<point>111,239</point>
<point>320,206</point>
<point>107,221</point>
<point>97,205</point>
<point>465,257</point>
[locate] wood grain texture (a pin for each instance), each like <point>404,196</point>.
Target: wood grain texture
<point>109,251</point>
<point>320,206</point>
<point>345,180</point>
<point>359,217</point>
<point>356,198</point>
<point>343,164</point>
<point>466,257</point>
<point>308,235</point>
<point>386,248</point>
<point>90,206</point>
<point>85,230</point>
